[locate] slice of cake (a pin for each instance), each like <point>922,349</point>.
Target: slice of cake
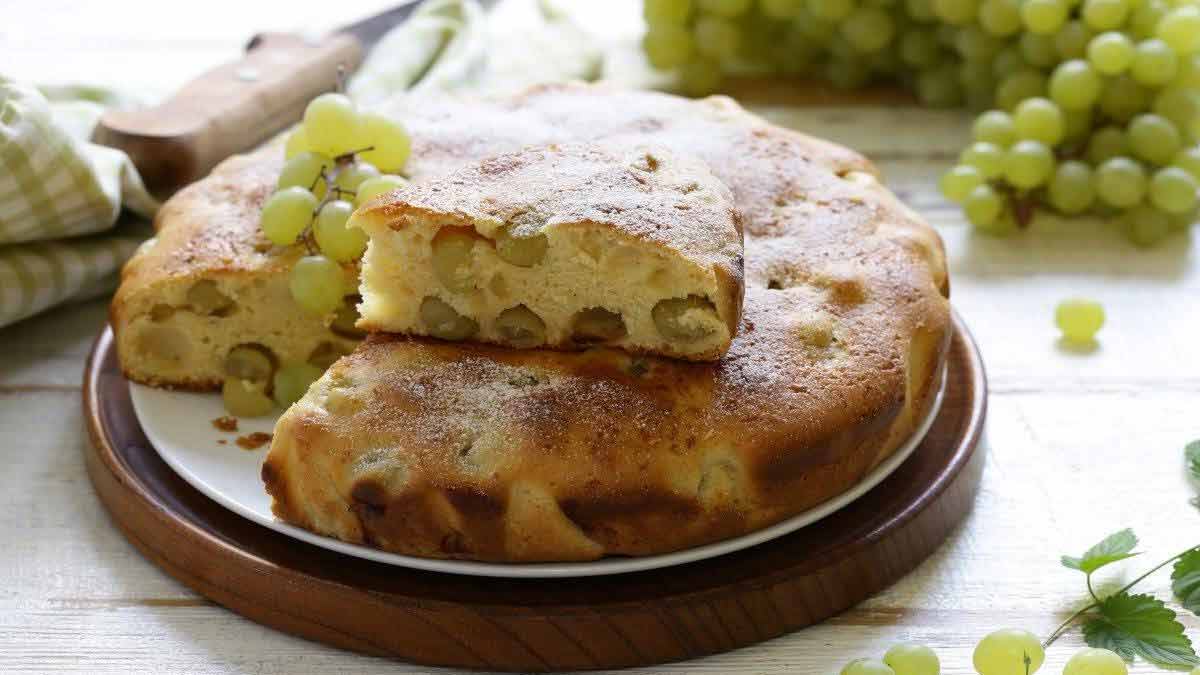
<point>563,246</point>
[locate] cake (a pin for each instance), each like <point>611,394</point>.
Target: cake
<point>565,246</point>
<point>474,451</point>
<point>209,287</point>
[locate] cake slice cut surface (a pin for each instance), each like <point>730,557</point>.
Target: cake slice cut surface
<point>563,246</point>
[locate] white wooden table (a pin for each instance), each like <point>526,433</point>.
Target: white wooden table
<point>1078,444</point>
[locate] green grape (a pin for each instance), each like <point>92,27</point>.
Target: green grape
<point>1044,16</point>
<point>979,94</point>
<point>831,10</point>
<point>1153,138</point>
<point>1106,143</point>
<point>316,284</point>
<point>994,126</point>
<point>1178,222</point>
<point>958,182</point>
<point>983,207</point>
<point>947,34</point>
<point>668,46</point>
<point>1079,319</point>
<point>246,398</point>
<point>1188,159</point>
<point>1188,72</point>
<point>1120,182</point>
<point>920,10</point>
<point>1173,190</point>
<point>1106,14</point>
<point>659,12</point>
<point>1145,225</point>
<point>716,37</point>
<point>287,213</point>
<point>304,170</point>
<point>1028,164</point>
<point>1180,29</point>
<point>700,77</point>
<point>336,241</point>
<point>847,73</point>
<point>976,45</point>
<point>868,29</point>
<point>1075,85</point>
<point>907,659</point>
<point>780,9</point>
<point>1077,125</point>
<point>987,157</point>
<point>1008,60</point>
<point>1071,188</point>
<point>350,176</point>
<point>1090,661</point>
<point>1123,98</point>
<point>1179,104</point>
<point>1038,50</point>
<point>725,8</point>
<point>956,12</point>
<point>331,124</point>
<point>1001,18</point>
<point>292,381</point>
<point>919,48</point>
<point>296,143</point>
<point>1006,651</point>
<point>1146,15</point>
<point>1154,63</point>
<point>1023,84</point>
<point>1038,119</point>
<point>388,140</point>
<point>975,76</point>
<point>1072,40</point>
<point>940,87</point>
<point>1110,53</point>
<point>373,187</point>
<point>867,667</point>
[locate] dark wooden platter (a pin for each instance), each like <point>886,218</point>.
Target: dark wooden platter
<point>539,625</point>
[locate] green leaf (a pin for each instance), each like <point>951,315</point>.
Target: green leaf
<point>1116,546</point>
<point>1140,625</point>
<point>1185,580</point>
<point>1191,454</point>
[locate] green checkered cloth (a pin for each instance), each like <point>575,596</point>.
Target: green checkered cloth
<point>61,197</point>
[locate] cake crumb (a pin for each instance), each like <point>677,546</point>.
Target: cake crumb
<point>254,441</point>
<point>226,423</point>
<point>222,441</point>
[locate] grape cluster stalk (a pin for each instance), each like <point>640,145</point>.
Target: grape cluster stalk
<point>1084,106</point>
<point>336,160</point>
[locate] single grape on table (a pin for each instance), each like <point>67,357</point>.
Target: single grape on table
<point>912,659</point>
<point>1092,661</point>
<point>1079,319</point>
<point>1008,652</point>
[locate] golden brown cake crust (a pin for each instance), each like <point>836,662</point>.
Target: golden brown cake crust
<point>477,452</point>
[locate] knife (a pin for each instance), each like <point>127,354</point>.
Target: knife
<point>234,107</point>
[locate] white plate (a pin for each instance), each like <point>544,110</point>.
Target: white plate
<point>179,426</point>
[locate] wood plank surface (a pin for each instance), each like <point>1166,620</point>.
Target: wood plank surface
<point>1078,444</point>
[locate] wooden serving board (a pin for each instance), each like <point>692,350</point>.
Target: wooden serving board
<point>539,625</point>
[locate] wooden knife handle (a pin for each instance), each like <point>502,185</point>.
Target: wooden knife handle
<point>229,109</point>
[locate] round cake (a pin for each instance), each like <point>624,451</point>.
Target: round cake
<point>478,452</point>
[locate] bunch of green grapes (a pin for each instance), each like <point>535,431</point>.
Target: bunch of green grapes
<point>337,159</point>
<point>1002,652</point>
<point>1087,106</point>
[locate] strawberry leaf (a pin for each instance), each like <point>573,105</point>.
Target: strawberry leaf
<point>1116,546</point>
<point>1185,580</point>
<point>1140,625</point>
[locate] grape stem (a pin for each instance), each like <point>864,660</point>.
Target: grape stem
<point>1062,628</point>
<point>332,193</point>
